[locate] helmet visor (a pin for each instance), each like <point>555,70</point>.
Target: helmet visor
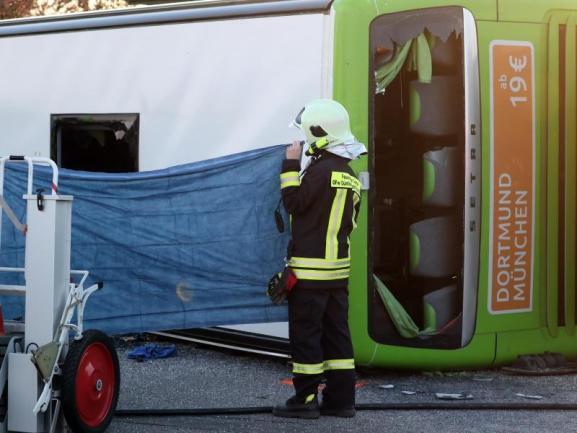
<point>298,120</point>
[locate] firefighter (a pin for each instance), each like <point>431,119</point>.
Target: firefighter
<point>324,204</point>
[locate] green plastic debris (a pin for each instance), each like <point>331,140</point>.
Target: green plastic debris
<point>418,53</point>
<point>401,319</point>
<point>389,71</point>
<point>421,59</point>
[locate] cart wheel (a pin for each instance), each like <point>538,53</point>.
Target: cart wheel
<point>90,382</point>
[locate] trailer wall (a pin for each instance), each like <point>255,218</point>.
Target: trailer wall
<point>202,89</point>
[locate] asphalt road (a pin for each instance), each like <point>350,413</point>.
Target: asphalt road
<point>200,377</point>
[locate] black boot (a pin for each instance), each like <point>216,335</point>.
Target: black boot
<point>339,394</point>
<point>296,407</point>
<point>342,412</point>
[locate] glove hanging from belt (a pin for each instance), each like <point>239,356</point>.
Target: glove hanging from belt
<point>280,285</point>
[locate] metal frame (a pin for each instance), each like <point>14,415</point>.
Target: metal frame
<point>472,235</point>
<point>11,348</point>
<point>77,298</point>
<point>172,13</point>
<point>570,171</point>
<point>561,208</point>
<point>552,177</point>
<point>48,357</point>
<point>30,162</point>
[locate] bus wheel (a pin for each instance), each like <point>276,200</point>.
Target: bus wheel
<point>90,383</point>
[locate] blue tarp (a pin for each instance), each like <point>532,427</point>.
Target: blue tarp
<point>189,246</point>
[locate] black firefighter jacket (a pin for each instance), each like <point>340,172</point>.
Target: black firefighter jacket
<point>324,204</point>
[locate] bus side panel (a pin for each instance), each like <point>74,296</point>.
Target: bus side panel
<point>502,319</point>
<point>479,353</point>
<point>351,75</point>
<point>553,326</point>
<point>481,9</point>
<point>534,11</point>
<point>536,341</point>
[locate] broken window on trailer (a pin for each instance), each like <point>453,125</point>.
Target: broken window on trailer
<point>417,165</point>
<point>95,142</point>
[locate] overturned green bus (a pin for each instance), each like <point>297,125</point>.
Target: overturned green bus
<point>465,251</point>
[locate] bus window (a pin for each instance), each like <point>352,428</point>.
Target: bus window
<point>417,219</point>
<point>95,142</point>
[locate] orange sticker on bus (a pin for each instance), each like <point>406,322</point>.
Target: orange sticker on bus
<point>512,177</point>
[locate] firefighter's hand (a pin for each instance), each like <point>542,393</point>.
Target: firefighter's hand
<point>293,151</point>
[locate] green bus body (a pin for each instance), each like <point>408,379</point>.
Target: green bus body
<point>498,339</point>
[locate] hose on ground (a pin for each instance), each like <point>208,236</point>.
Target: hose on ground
<point>360,407</point>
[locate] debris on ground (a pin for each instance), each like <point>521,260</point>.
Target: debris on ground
<point>151,351</point>
<point>453,396</point>
<point>437,373</point>
<point>530,397</point>
<point>483,378</point>
<point>388,386</point>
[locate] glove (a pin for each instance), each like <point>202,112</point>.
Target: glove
<point>280,285</point>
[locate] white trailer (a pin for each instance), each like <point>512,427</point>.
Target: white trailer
<point>201,79</point>
<point>156,87</point>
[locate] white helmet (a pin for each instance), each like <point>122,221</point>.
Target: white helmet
<point>325,123</point>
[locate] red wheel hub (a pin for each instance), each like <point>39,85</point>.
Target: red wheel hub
<point>95,384</point>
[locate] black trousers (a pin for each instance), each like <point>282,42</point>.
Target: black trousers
<point>321,344</point>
